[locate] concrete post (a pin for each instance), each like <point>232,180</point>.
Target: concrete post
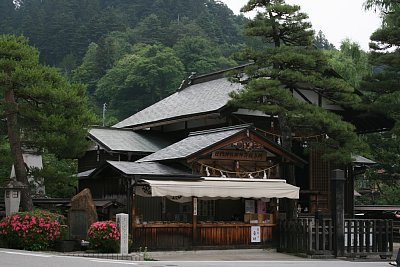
<point>123,226</point>
<point>337,209</point>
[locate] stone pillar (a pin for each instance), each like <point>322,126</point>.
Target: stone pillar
<point>12,198</point>
<point>123,226</point>
<point>337,210</point>
<point>194,221</point>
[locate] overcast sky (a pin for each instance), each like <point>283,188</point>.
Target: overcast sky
<point>337,19</point>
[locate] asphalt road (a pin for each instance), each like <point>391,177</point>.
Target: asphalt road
<point>11,258</point>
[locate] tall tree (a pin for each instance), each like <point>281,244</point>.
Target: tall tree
<point>148,74</point>
<point>287,62</point>
<point>197,56</point>
<point>321,42</point>
<point>42,110</point>
<point>382,93</point>
<point>350,62</point>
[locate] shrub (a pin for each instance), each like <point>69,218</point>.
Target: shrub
<point>34,230</point>
<point>103,236</point>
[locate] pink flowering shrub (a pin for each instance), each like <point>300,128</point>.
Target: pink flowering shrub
<point>35,230</point>
<point>103,236</point>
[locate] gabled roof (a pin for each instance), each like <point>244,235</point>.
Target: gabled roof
<point>152,169</point>
<point>357,159</point>
<point>113,139</point>
<point>207,96</point>
<point>195,142</point>
<point>200,141</point>
<point>197,99</point>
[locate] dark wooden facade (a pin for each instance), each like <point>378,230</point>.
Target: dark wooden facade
<point>180,236</point>
<point>156,230</point>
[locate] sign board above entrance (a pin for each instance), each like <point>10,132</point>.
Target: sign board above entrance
<point>239,155</point>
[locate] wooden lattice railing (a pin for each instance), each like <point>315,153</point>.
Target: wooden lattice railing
<point>316,237</point>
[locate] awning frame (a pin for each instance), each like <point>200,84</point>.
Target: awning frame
<point>216,187</point>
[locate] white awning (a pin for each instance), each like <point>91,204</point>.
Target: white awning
<point>225,188</point>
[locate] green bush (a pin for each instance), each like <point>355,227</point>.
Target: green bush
<point>103,236</point>
<point>35,230</point>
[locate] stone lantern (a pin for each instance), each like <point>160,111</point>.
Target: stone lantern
<point>12,196</point>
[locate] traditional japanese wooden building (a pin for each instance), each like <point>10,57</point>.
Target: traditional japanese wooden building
<point>196,172</point>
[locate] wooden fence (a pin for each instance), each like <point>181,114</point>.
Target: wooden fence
<point>218,235</point>
<point>316,237</point>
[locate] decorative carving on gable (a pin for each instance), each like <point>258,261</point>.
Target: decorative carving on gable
<point>247,145</point>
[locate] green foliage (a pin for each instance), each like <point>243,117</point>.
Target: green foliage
<point>321,42</point>
<point>291,63</point>
<point>351,63</point>
<point>382,88</point>
<point>104,237</point>
<point>149,74</point>
<point>35,230</point>
<point>5,159</point>
<point>381,93</point>
<point>62,30</point>
<point>279,23</point>
<point>59,176</point>
<point>196,55</point>
<point>383,5</point>
<point>52,113</point>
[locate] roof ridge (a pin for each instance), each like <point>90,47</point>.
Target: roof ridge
<point>110,128</point>
<point>222,129</point>
<point>195,77</point>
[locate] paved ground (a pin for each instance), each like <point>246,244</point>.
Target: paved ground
<point>221,255</point>
<point>236,255</point>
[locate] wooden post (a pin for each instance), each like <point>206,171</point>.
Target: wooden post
<point>337,209</point>
<point>194,220</point>
<point>132,211</point>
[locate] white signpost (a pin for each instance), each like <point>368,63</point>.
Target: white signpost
<point>123,226</point>
<point>255,234</point>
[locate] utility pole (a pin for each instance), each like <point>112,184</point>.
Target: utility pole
<point>104,112</point>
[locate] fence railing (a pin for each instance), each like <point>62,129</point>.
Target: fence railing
<point>316,237</point>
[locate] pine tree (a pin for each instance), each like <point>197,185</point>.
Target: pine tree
<point>382,94</point>
<point>321,42</point>
<point>287,62</point>
<point>42,110</point>
<point>382,88</point>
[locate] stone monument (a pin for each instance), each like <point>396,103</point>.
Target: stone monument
<point>81,214</point>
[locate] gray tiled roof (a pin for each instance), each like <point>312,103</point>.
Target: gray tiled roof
<point>195,142</point>
<point>148,168</point>
<point>362,160</point>
<point>127,140</point>
<point>196,99</point>
<point>85,173</point>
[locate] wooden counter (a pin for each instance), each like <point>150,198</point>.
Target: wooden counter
<point>180,235</point>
